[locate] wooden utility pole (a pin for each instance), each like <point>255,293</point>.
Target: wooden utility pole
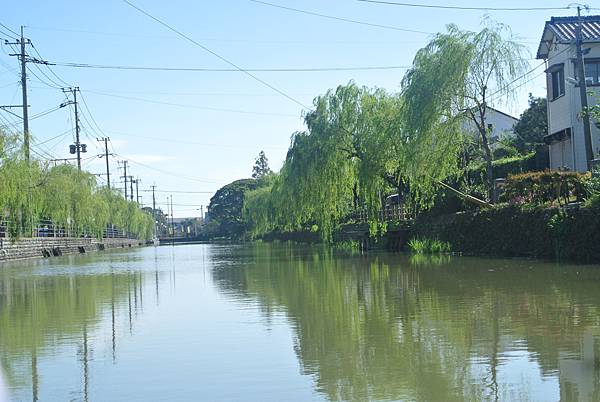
<point>79,147</point>
<point>24,92</point>
<point>131,187</point>
<point>154,210</point>
<point>137,191</point>
<point>172,223</point>
<point>105,140</point>
<point>587,132</point>
<point>124,176</point>
<point>23,59</point>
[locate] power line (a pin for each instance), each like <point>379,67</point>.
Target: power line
<point>228,94</point>
<point>179,191</point>
<point>331,17</point>
<point>464,8</point>
<point>35,116</point>
<point>508,85</point>
<point>54,138</point>
<point>49,69</point>
<point>228,70</point>
<point>170,140</point>
<point>193,106</point>
<point>92,116</point>
<point>254,77</point>
<point>9,30</point>
<point>178,175</point>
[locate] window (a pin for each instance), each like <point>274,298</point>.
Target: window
<point>558,82</point>
<point>592,72</point>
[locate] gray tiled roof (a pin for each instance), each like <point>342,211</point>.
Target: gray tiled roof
<point>562,30</point>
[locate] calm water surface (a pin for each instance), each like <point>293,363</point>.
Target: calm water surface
<point>287,323</point>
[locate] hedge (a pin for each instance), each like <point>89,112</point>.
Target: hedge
<point>548,233</point>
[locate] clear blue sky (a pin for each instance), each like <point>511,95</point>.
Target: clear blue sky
<point>205,149</point>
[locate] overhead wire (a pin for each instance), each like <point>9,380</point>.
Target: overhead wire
<point>170,140</point>
<point>217,55</point>
<point>53,138</point>
<point>331,17</point>
<point>89,112</point>
<point>168,173</point>
<point>193,106</point>
<point>463,8</point>
<point>227,70</point>
<point>8,29</point>
<point>510,84</point>
<point>66,84</point>
<point>178,191</point>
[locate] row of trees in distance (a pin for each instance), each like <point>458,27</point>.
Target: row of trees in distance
<point>32,191</point>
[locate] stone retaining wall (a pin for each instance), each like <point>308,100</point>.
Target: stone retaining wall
<point>46,247</point>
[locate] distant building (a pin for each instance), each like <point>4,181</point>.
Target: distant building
<point>499,124</point>
<point>565,124</point>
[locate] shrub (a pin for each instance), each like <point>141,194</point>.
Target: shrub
<point>543,187</point>
<point>593,190</point>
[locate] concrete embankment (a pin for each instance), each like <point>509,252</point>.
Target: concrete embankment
<point>47,247</point>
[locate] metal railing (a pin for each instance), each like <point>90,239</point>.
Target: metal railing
<point>46,228</point>
<point>390,213</point>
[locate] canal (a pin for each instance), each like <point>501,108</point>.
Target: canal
<point>263,322</point>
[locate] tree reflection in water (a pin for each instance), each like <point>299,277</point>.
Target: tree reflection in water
<point>42,312</point>
<point>385,327</point>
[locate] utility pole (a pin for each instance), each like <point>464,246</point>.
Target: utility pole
<point>131,187</point>
<point>172,223</point>
<point>137,191</point>
<point>154,210</point>
<point>153,201</point>
<point>23,59</point>
<point>587,132</point>
<point>78,147</point>
<point>105,140</point>
<point>124,176</point>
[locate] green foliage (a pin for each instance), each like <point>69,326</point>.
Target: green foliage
<point>428,246</point>
<point>593,190</point>
<point>261,166</point>
<point>457,76</point>
<point>355,151</point>
<point>31,192</point>
<point>348,246</point>
<point>362,144</point>
<point>544,187</point>
<point>532,125</point>
<point>504,167</point>
<point>225,209</point>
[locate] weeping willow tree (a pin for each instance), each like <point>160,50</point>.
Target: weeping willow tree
<point>458,76</point>
<point>361,144</point>
<point>356,150</point>
<point>32,191</point>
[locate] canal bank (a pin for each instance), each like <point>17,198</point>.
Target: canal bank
<point>40,247</point>
<point>560,233</point>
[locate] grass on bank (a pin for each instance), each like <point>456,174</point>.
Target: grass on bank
<point>428,246</point>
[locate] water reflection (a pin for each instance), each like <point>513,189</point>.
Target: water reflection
<point>46,309</point>
<point>219,323</point>
<point>391,328</point>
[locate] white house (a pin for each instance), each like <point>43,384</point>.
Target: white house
<point>500,125</point>
<point>565,123</point>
